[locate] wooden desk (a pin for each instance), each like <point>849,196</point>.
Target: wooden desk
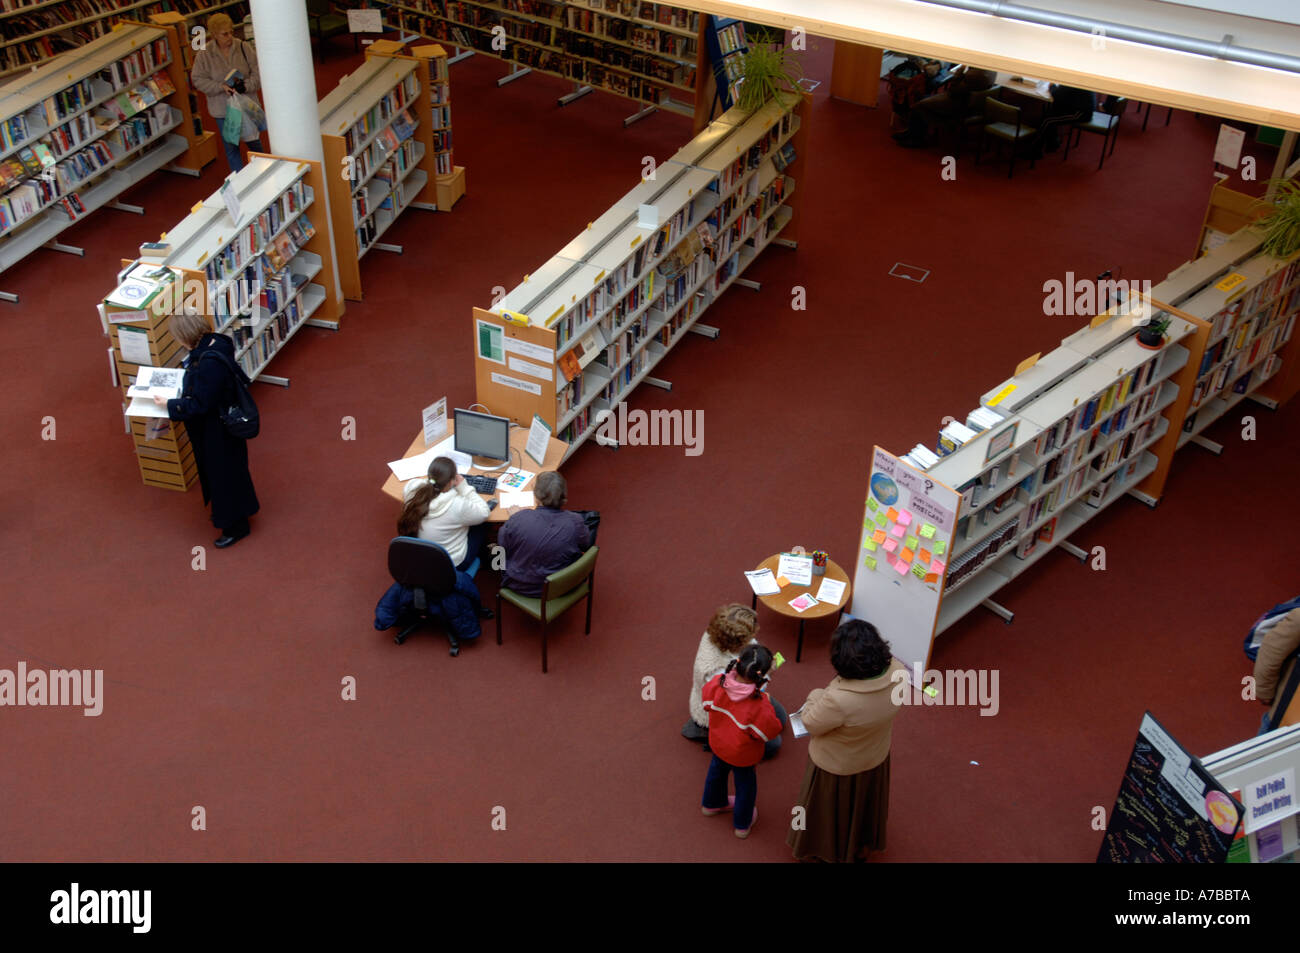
<point>555,451</point>
<point>780,602</point>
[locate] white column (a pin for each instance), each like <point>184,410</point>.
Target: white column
<point>288,76</point>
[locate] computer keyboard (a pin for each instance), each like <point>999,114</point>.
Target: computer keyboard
<point>482,484</point>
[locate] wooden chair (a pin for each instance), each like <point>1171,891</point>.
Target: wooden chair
<point>1104,123</point>
<point>573,583</point>
<point>1003,122</point>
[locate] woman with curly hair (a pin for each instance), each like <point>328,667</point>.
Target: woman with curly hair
<point>732,627</point>
<point>845,791</point>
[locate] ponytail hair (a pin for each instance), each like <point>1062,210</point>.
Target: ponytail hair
<point>441,472</point>
<point>752,666</point>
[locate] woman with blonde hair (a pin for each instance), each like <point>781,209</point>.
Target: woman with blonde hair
<point>221,53</point>
<point>731,629</point>
<point>221,458</point>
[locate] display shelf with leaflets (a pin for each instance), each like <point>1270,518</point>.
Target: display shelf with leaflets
<point>377,139</point>
<point>648,52</point>
<point>612,302</point>
<point>85,127</point>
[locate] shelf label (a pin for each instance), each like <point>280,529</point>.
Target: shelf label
<point>1230,282</point>
<point>1001,395</point>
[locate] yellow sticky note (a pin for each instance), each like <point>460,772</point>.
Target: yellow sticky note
<point>905,554</point>
<point>940,547</point>
<point>927,531</point>
<point>925,556</point>
<point>880,519</point>
<point>931,691</point>
<point>891,514</point>
<point>869,562</point>
<point>1001,395</point>
<point>871,545</point>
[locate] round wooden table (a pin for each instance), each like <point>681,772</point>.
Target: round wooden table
<point>780,602</point>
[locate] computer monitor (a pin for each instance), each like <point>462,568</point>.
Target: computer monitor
<point>483,436</point>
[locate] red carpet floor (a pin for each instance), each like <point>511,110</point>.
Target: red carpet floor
<point>223,685</point>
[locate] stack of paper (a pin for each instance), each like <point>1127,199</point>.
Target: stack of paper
<point>762,582</point>
<point>921,456</point>
<point>953,436</point>
<point>982,418</point>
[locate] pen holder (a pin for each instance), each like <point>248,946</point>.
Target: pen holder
<point>819,563</point>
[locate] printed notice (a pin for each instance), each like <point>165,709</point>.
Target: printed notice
<point>491,342</point>
<point>516,383</point>
<point>134,345</point>
<point>534,352</point>
<point>435,421</point>
<point>528,367</point>
<point>539,438</point>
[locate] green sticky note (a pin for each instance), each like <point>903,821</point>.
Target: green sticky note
<point>778,660</point>
<point>869,545</point>
<point>871,505</point>
<point>869,562</point>
<point>880,519</point>
<point>912,542</point>
<point>931,691</point>
<point>918,570</point>
<point>940,547</point>
<point>927,530</point>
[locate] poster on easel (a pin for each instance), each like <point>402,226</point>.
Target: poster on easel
<point>903,551</point>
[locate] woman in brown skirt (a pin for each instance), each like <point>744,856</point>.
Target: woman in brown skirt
<point>845,793</point>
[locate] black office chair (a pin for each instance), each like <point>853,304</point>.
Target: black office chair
<point>425,568</point>
<point>1103,122</point>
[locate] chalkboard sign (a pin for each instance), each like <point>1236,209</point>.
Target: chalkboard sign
<point>1169,809</point>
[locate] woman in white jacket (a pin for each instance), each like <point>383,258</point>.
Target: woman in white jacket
<point>444,509</point>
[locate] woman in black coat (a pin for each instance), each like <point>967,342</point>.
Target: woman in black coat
<point>222,459</point>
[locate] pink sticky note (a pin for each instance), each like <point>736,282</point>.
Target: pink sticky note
<point>937,565</point>
<point>891,559</point>
<point>904,518</point>
<point>890,545</point>
<point>901,568</point>
<point>897,530</point>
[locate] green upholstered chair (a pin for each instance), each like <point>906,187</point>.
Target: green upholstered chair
<point>1105,123</point>
<point>325,22</point>
<point>563,590</point>
<point>1003,123</point>
<point>976,116</point>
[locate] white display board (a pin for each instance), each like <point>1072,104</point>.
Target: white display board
<point>908,521</point>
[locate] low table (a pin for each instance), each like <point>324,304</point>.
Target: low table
<point>780,602</point>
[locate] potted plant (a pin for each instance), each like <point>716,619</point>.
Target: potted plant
<point>1152,334</point>
<point>766,69</point>
<point>1281,219</point>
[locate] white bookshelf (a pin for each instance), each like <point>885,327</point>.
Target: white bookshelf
<point>208,233</point>
<point>604,289</point>
<point>29,100</point>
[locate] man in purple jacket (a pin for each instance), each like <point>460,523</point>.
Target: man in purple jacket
<point>542,541</point>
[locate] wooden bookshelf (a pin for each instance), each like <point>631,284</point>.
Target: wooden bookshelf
<point>69,110</point>
<point>647,52</point>
<point>449,178</point>
<point>378,144</point>
<point>620,296</point>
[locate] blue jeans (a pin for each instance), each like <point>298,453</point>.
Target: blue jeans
<point>233,155</point>
<point>715,791</point>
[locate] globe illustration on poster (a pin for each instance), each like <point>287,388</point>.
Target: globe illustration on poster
<point>884,489</point>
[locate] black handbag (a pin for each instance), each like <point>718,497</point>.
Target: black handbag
<point>240,418</point>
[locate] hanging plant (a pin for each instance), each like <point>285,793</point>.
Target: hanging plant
<point>767,68</point>
<point>1281,219</point>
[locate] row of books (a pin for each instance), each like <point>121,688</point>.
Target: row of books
<point>249,241</point>
<point>391,140</point>
<point>50,113</point>
<point>683,316</point>
<point>625,31</point>
<point>661,13</point>
<point>260,349</point>
<point>267,271</point>
<point>732,38</point>
<point>964,564</point>
<point>578,426</point>
<point>393,102</point>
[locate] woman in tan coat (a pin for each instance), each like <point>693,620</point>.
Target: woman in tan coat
<point>222,53</point>
<point>845,793</point>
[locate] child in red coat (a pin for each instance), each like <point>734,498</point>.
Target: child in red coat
<point>741,721</point>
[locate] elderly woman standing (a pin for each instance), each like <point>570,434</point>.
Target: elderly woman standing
<point>213,64</point>
<point>845,789</point>
<point>221,458</point>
